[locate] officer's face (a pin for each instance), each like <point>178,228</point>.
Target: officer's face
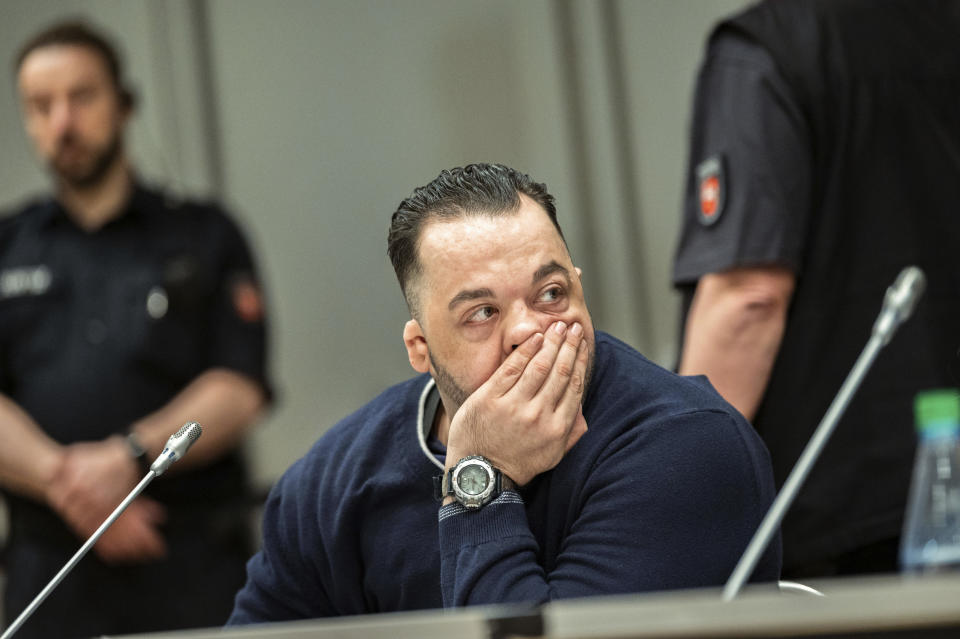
<point>72,111</point>
<point>488,284</point>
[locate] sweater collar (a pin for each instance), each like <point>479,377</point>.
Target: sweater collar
<point>426,411</point>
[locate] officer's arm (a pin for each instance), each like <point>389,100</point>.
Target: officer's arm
<point>226,404</point>
<point>734,330</point>
<point>29,459</point>
<point>34,465</point>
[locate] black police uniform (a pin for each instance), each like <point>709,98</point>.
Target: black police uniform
<point>826,139</point>
<point>98,329</point>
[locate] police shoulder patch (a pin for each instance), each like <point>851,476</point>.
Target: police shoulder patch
<point>711,189</point>
<point>247,299</point>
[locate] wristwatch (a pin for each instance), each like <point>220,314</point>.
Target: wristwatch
<point>137,451</point>
<point>474,482</point>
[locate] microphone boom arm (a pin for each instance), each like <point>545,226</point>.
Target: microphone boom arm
<point>79,555</point>
<point>800,471</point>
<point>176,447</point>
<point>898,305</point>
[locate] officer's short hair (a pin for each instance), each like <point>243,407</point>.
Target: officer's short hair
<point>475,189</point>
<point>78,33</point>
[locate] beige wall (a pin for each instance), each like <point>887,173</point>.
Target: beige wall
<point>313,119</point>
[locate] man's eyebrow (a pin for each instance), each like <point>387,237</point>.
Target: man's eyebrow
<point>544,271</point>
<point>466,296</point>
<point>549,269</point>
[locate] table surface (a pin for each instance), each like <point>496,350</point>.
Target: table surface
<point>887,605</point>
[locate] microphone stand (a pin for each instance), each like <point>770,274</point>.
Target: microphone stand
<point>175,448</point>
<point>800,471</point>
<point>19,621</point>
<point>898,306</point>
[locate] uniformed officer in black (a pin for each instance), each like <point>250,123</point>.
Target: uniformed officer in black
<point>825,156</point>
<point>123,314</point>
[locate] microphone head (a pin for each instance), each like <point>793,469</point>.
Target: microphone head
<point>902,296</point>
<point>898,303</point>
<point>177,446</point>
<point>183,439</point>
<point>190,430</point>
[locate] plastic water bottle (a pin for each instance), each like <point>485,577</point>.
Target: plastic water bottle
<point>931,530</point>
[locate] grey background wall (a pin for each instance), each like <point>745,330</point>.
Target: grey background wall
<point>312,120</point>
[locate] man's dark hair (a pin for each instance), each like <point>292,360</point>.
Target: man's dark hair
<point>78,33</point>
<point>475,189</point>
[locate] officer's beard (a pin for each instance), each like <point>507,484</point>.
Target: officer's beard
<point>93,173</point>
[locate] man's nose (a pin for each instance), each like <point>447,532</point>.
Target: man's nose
<point>523,322</point>
<point>61,117</point>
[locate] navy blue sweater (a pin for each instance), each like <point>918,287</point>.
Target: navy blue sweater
<point>663,491</point>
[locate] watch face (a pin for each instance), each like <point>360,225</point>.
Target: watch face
<point>473,479</point>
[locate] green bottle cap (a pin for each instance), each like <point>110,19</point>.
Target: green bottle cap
<point>937,410</point>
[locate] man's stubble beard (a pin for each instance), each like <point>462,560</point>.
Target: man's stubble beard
<point>94,174</point>
<point>447,385</point>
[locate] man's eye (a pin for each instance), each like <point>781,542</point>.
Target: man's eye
<point>552,294</point>
<point>482,314</point>
<point>39,107</point>
<point>84,96</point>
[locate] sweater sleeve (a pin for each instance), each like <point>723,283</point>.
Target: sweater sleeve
<point>669,505</point>
<point>284,578</point>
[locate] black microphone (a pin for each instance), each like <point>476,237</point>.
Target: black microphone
<point>175,448</point>
<point>898,305</point>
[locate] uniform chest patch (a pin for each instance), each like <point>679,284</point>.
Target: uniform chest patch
<point>711,190</point>
<point>25,280</point>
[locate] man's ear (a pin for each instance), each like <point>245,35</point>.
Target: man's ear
<point>416,343</point>
<point>579,271</point>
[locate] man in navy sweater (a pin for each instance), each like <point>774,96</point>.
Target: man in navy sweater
<point>569,464</point>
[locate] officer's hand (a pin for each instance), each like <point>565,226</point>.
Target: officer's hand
<point>528,414</point>
<point>135,536</point>
<point>94,477</point>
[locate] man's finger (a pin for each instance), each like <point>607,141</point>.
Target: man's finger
<point>539,369</point>
<point>506,376</point>
<point>563,368</point>
<point>572,398</point>
<point>133,537</point>
<point>153,511</point>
